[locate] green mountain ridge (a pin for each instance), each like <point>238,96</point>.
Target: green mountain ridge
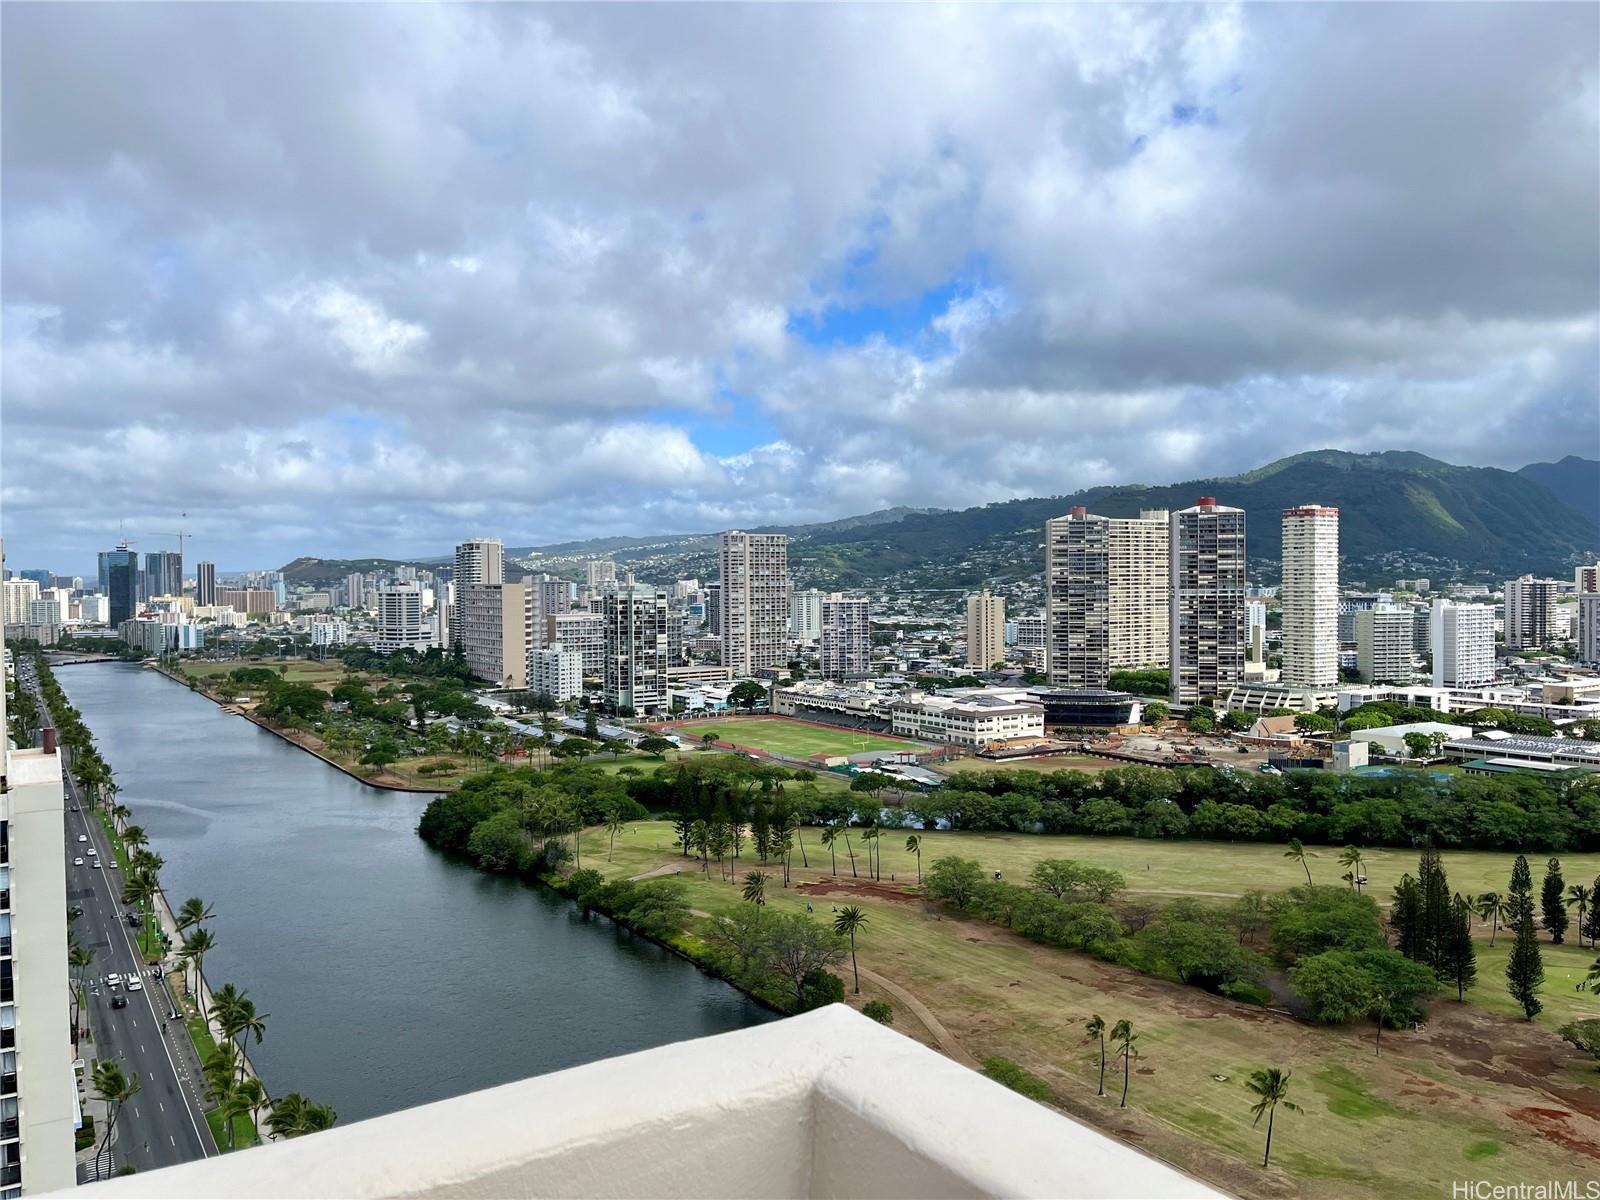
<point>1391,503</point>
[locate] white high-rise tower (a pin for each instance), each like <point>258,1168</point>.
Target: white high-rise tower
<point>481,560</point>
<point>754,601</point>
<point>1311,596</point>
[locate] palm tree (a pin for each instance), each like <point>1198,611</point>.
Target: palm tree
<point>1272,1086</point>
<point>250,1098</point>
<point>614,825</point>
<point>1494,908</point>
<point>116,1089</point>
<point>78,957</point>
<point>846,923</point>
<point>755,888</point>
<point>134,837</point>
<point>1094,1028</point>
<point>294,1115</point>
<point>1299,853</point>
<point>848,848</point>
<point>914,846</point>
<point>244,1022</point>
<point>192,912</point>
<point>869,835</point>
<point>1123,1037</point>
<point>1350,857</point>
<point>238,1101</point>
<point>829,836</point>
<point>1580,896</point>
<point>195,947</point>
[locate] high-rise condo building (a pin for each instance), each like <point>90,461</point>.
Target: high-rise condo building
<point>1587,578</point>
<point>1207,622</point>
<point>355,590</point>
<point>582,631</point>
<point>986,630</point>
<point>19,597</point>
<point>1106,581</point>
<point>481,560</point>
<point>37,1105</point>
<point>754,601</point>
<point>496,623</point>
<point>846,638</point>
<point>401,625</point>
<point>598,572</point>
<point>163,573</point>
<point>805,615</point>
<point>714,611</point>
<point>556,672</point>
<point>248,600</point>
<point>205,583</point>
<point>1255,630</point>
<point>123,583</point>
<point>1310,596</point>
<point>636,648</point>
<point>1385,643</point>
<point>1589,628</point>
<point>1462,640</point>
<point>1530,612</point>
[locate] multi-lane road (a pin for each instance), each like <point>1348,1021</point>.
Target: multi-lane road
<point>164,1123</point>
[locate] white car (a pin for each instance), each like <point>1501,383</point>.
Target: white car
<point>95,863</point>
<point>77,862</point>
<point>134,985</point>
<point>83,837</point>
<point>113,981</point>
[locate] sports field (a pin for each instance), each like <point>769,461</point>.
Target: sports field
<point>797,739</point>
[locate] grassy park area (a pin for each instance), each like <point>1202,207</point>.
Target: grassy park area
<point>797,739</point>
<point>1474,1094</point>
<point>324,673</point>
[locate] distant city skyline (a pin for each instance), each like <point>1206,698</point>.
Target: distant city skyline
<point>404,271</point>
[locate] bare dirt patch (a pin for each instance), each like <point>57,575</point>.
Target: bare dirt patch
<point>869,889</point>
<point>1551,1124</point>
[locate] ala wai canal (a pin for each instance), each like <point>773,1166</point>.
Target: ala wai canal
<point>391,977</point>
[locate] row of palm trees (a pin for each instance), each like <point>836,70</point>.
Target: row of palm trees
<point>1270,1085</point>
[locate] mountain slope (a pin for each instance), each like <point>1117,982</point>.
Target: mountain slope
<point>1574,481</point>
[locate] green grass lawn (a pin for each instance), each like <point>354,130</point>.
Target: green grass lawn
<point>1059,762</point>
<point>794,738</point>
<point>300,670</point>
<point>1401,1124</point>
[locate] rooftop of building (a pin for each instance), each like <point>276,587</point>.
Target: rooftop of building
<point>1494,741</point>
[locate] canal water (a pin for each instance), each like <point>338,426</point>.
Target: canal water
<point>391,977</point>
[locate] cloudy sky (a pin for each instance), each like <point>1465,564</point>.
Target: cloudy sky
<point>360,279</point>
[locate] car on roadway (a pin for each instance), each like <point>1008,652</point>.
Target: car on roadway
<point>83,837</point>
<point>75,911</point>
<point>119,1002</point>
<point>78,862</point>
<point>74,808</point>
<point>113,980</point>
<point>134,985</point>
<point>95,863</point>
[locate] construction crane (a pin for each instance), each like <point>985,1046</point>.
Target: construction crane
<point>180,534</point>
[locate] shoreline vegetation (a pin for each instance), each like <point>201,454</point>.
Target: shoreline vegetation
<point>219,1022</point>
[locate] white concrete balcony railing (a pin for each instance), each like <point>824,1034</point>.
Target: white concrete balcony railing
<point>828,1104</point>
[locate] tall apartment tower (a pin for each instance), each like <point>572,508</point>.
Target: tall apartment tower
<point>1385,642</point>
<point>1530,609</point>
<point>1077,571</point>
<point>805,615</point>
<point>600,571</point>
<point>1462,640</point>
<point>1310,596</point>
<point>163,573</point>
<point>754,619</point>
<point>123,583</point>
<point>401,625</point>
<point>1586,579</point>
<point>36,1152</point>
<point>986,630</point>
<point>636,648</point>
<point>481,560</point>
<point>205,583</point>
<point>1588,637</point>
<point>1106,581</point>
<point>1207,621</point>
<point>496,622</point>
<point>846,638</point>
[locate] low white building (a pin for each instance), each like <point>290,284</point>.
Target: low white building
<point>329,633</point>
<point>1391,739</point>
<point>966,720</point>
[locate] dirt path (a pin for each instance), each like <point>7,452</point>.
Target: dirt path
<point>947,1040</point>
<point>664,869</point>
